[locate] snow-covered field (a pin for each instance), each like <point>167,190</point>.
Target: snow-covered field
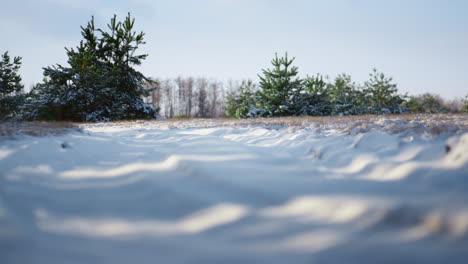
<point>351,190</point>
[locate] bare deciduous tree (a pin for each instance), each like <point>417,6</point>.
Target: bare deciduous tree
<point>189,97</point>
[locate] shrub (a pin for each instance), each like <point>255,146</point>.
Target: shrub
<point>426,103</point>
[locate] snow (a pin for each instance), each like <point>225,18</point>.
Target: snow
<point>352,190</point>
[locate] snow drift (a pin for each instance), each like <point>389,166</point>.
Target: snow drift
<point>350,191</point>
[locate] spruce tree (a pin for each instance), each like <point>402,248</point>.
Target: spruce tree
<point>278,86</point>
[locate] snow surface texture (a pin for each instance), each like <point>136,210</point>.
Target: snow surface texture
<point>211,191</point>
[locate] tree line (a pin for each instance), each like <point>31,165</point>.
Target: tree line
<point>100,83</point>
<point>188,97</point>
<point>281,92</point>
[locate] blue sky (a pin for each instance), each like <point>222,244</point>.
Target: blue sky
<point>422,44</point>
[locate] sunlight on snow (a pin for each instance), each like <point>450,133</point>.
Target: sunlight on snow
<point>431,224</point>
<point>119,228</point>
<point>357,165</point>
<point>310,242</point>
<point>20,171</point>
<point>388,172</point>
<point>458,157</point>
<point>313,193</point>
<point>436,222</point>
<point>172,162</point>
<point>4,153</point>
<point>408,154</point>
<point>334,209</point>
<point>40,169</point>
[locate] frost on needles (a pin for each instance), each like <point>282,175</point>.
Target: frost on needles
<point>100,82</point>
<point>282,93</point>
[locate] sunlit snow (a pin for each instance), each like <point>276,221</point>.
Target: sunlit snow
<point>223,191</point>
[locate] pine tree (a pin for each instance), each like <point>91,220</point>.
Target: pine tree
<point>10,80</point>
<point>383,94</point>
<point>314,99</point>
<point>345,97</point>
<point>278,86</point>
<point>465,105</point>
<point>10,85</point>
<point>242,103</point>
<point>100,82</point>
<point>231,103</point>
<point>426,103</point>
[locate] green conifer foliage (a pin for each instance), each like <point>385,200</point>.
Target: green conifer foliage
<point>383,94</point>
<point>10,80</point>
<point>278,86</point>
<point>465,105</point>
<point>343,96</point>
<point>10,85</point>
<point>100,83</point>
<point>313,98</point>
<point>242,103</point>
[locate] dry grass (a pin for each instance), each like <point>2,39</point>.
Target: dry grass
<point>421,123</point>
<point>434,124</point>
<point>323,119</point>
<point>8,129</point>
